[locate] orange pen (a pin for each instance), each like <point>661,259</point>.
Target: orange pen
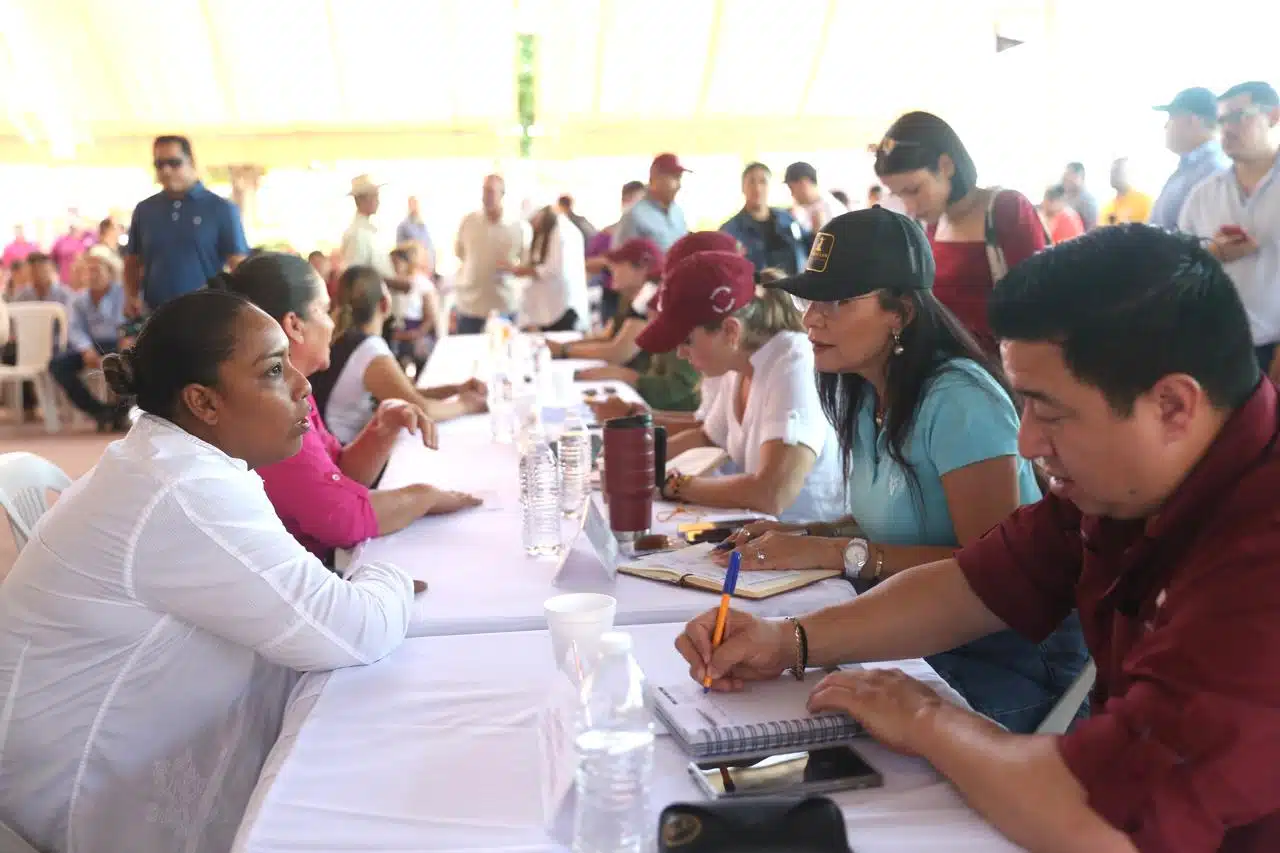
<point>726,595</point>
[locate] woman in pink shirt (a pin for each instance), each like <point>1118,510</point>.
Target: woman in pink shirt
<point>322,494</point>
<point>977,233</point>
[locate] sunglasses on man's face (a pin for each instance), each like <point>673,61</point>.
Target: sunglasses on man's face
<point>169,162</point>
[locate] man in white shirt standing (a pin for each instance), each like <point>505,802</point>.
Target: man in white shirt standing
<point>1238,210</point>
<point>489,245</point>
<point>814,206</point>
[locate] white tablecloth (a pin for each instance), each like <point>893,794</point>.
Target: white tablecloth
<point>478,576</point>
<point>435,748</point>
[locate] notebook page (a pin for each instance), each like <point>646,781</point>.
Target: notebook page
<point>696,714</point>
<point>695,561</point>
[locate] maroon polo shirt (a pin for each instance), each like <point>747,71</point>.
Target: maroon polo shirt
<point>1181,612</point>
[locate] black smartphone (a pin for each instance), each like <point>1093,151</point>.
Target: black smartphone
<point>816,771</point>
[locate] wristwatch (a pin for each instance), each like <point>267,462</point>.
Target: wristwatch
<point>857,555</point>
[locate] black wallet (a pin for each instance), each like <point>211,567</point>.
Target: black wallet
<point>753,825</point>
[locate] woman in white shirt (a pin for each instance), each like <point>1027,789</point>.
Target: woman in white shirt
<point>152,628</point>
<point>363,371</point>
<point>765,413</point>
<point>556,299</point>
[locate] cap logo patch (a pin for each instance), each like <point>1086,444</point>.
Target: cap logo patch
<point>722,299</point>
<point>820,253</point>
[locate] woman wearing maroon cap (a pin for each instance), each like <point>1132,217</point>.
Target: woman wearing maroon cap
<point>676,421</point>
<point>977,233</point>
<point>767,415</point>
<point>663,382</point>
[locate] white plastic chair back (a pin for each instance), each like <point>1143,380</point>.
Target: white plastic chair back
<point>36,327</point>
<point>25,482</point>
<point>12,842</point>
<point>1059,719</point>
<point>4,322</point>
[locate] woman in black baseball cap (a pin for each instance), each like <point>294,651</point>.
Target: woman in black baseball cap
<point>928,436</point>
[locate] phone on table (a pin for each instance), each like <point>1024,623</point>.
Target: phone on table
<point>815,771</point>
<point>697,532</point>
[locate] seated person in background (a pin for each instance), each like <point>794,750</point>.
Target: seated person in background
<point>663,381</point>
<point>633,265</point>
<point>152,629</point>
<point>675,421</point>
<point>1147,409</point>
<point>362,371</point>
<point>929,445</point>
<point>93,331</point>
<point>766,413</point>
<point>322,494</point>
<point>421,309</point>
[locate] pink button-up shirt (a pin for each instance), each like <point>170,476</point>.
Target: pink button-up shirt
<point>322,507</point>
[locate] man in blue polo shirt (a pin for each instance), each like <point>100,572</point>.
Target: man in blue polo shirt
<point>656,217</point>
<point>180,237</point>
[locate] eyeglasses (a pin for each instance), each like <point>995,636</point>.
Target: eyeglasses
<point>827,309</point>
<point>170,162</point>
<point>1238,116</point>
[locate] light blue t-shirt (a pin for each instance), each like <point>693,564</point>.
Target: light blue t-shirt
<point>964,417</point>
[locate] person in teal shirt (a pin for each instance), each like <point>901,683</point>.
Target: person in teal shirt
<point>928,432</point>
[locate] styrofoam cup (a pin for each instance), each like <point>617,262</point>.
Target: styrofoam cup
<point>579,619</point>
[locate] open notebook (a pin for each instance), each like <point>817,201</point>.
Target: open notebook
<point>697,461</point>
<point>694,567</point>
<point>766,717</point>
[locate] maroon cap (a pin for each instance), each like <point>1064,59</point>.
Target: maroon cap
<point>702,241</point>
<point>668,164</point>
<point>639,252</point>
<point>699,290</point>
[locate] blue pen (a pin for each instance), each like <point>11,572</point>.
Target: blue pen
<point>730,584</point>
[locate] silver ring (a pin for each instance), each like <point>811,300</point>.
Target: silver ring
<point>760,556</point>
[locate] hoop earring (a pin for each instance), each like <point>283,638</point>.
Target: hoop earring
<point>897,342</point>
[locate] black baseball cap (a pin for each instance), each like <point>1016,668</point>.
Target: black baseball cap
<point>796,171</point>
<point>1196,101</point>
<point>861,252</point>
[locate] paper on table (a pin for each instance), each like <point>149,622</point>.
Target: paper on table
<point>556,722</point>
<point>695,561</point>
<point>778,701</point>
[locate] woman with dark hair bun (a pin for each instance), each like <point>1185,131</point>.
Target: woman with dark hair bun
<point>152,628</point>
<point>977,233</point>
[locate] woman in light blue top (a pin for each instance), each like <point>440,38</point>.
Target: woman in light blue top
<point>928,433</point>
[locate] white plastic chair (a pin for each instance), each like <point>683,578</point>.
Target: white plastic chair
<point>25,482</point>
<point>1059,719</point>
<point>34,325</point>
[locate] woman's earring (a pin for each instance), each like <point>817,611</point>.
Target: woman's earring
<point>897,342</point>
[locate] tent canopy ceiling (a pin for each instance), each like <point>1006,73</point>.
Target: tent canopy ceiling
<point>287,81</point>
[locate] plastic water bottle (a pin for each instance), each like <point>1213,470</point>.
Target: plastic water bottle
<point>502,413</point>
<point>539,495</point>
<point>574,452</point>
<point>615,755</point>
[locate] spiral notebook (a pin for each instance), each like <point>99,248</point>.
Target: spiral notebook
<point>766,717</point>
<point>693,567</point>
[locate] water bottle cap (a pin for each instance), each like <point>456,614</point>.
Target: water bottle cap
<point>613,642</point>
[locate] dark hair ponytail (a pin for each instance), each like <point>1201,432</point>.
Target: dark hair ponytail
<point>183,343</point>
<point>278,283</point>
<point>359,295</point>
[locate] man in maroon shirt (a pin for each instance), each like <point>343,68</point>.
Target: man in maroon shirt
<point>1162,526</point>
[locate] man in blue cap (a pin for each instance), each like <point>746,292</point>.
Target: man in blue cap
<point>1192,133</point>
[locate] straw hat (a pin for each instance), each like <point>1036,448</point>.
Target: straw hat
<point>363,185</point>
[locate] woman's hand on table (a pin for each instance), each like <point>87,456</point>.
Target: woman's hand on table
<point>752,649</point>
<point>475,402</point>
<point>608,373</point>
<point>775,550</point>
<point>475,386</point>
<point>756,529</point>
<point>888,703</point>
<point>614,407</point>
<point>442,502</point>
<point>395,415</point>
